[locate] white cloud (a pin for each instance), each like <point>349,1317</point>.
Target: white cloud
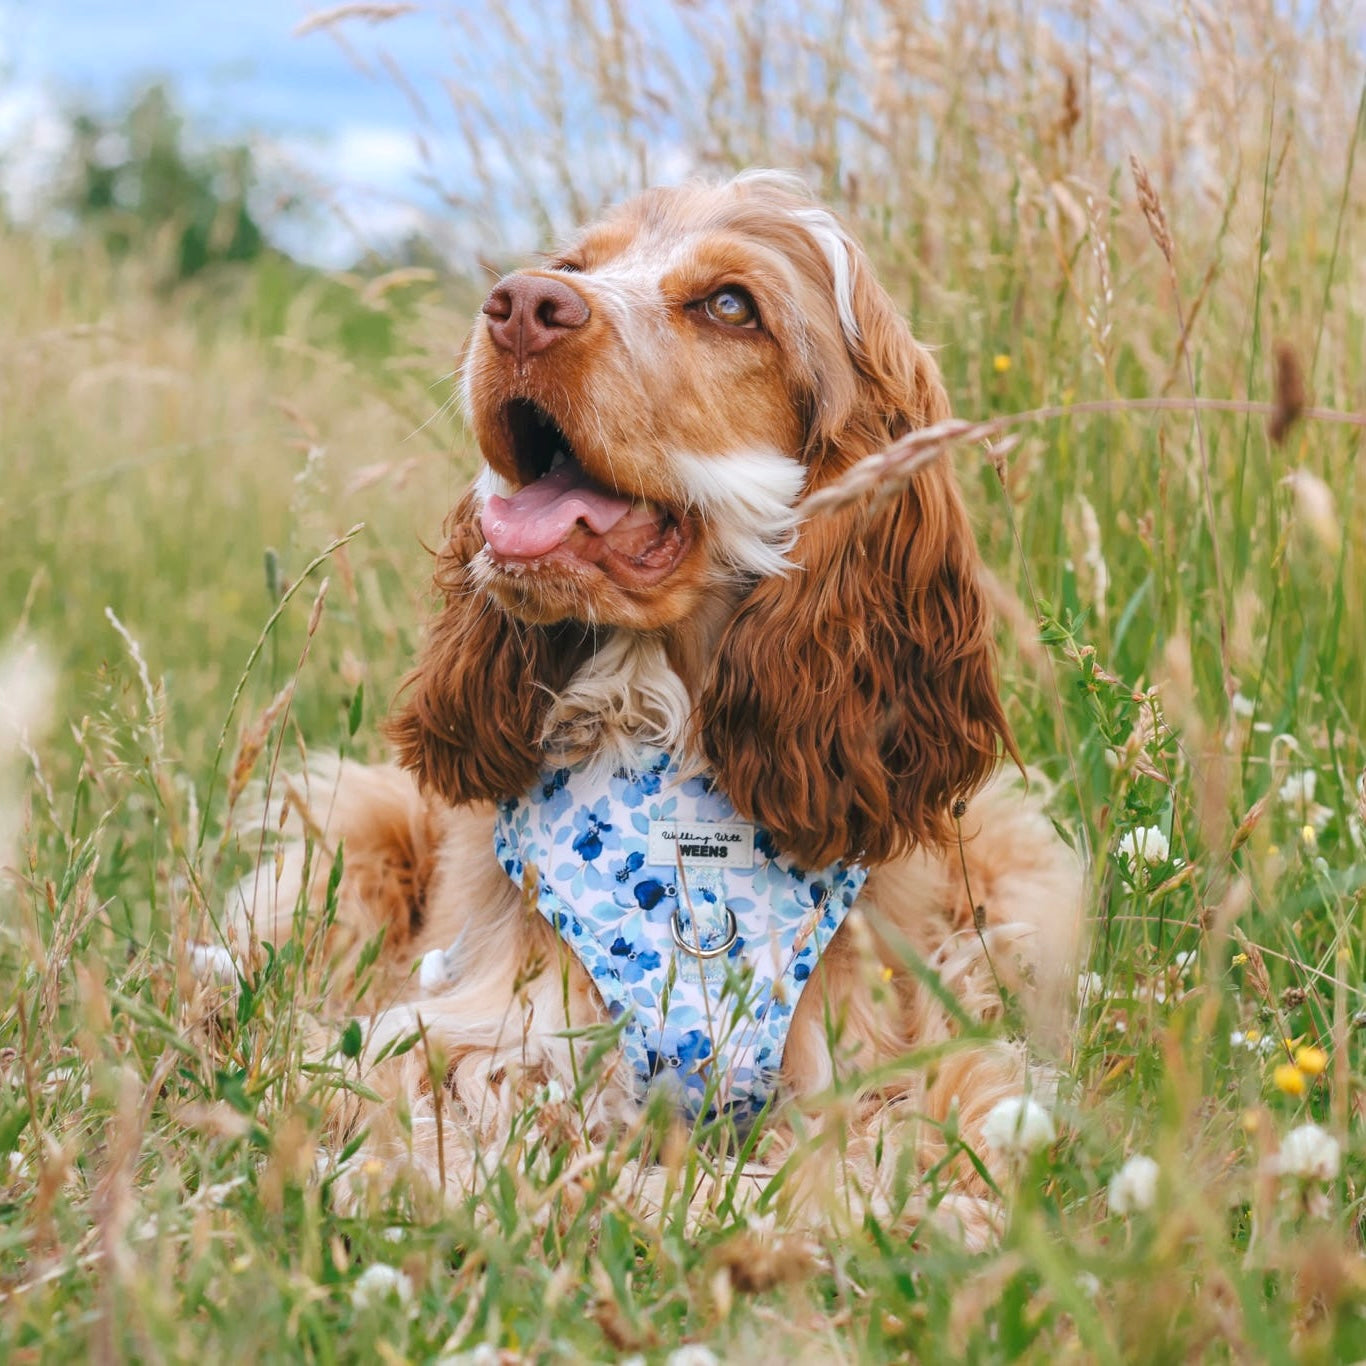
<point>34,137</point>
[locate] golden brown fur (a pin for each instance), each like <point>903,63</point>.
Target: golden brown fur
<point>837,676</point>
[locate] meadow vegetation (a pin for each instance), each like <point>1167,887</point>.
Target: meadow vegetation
<point>216,490</point>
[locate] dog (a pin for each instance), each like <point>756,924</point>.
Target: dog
<point>681,764</point>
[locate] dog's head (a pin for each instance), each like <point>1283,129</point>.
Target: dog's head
<point>650,405</point>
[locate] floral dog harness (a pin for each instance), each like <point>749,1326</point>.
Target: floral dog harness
<point>697,932</point>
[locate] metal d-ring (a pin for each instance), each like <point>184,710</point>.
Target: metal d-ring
<point>732,933</point>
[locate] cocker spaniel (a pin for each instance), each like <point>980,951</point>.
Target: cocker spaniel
<point>682,764</point>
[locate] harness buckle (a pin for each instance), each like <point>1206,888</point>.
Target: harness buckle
<point>717,950</point>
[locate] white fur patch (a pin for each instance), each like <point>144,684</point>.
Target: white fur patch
<point>834,244</point>
<point>625,697</point>
<point>746,500</point>
<point>489,482</point>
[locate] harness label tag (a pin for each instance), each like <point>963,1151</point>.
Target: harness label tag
<point>701,844</point>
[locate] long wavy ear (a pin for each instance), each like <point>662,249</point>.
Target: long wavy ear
<point>473,708</point>
<point>853,700</point>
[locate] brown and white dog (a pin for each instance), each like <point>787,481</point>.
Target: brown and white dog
<point>628,572</point>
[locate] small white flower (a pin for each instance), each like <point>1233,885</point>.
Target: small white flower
<point>1298,789</point>
<point>1310,1153</point>
<point>376,1283</point>
<point>394,1234</point>
<point>1297,793</point>
<point>212,963</point>
<point>1090,987</point>
<point>1088,1283</point>
<point>1184,961</point>
<point>1134,1186</point>
<point>1148,845</point>
<point>1237,1039</point>
<point>1243,707</point>
<point>694,1354</point>
<point>1016,1126</point>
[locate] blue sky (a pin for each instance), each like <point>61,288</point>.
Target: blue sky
<point>319,105</point>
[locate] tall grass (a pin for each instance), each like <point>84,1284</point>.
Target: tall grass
<point>1185,616</point>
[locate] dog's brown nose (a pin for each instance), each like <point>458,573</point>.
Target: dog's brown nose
<point>527,313</point>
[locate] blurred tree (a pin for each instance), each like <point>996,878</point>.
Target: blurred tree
<point>132,179</point>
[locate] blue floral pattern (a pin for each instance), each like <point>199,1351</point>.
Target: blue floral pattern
<point>707,1022</point>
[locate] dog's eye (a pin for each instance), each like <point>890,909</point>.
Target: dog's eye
<point>733,307</point>
<point>569,267</point>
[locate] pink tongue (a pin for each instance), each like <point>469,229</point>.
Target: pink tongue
<point>540,516</point>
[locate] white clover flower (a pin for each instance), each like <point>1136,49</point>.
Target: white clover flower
<point>1297,792</point>
<point>376,1283</point>
<point>1310,1153</point>
<point>1134,1186</point>
<point>212,963</point>
<point>1148,845</point>
<point>1016,1126</point>
<point>694,1354</point>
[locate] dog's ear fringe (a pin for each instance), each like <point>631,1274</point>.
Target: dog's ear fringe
<point>854,701</point>
<point>470,716</point>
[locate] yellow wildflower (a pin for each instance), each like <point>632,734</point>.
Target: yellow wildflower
<point>1289,1078</point>
<point>1000,363</point>
<point>1311,1061</point>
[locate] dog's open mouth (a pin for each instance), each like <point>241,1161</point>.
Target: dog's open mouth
<point>562,515</point>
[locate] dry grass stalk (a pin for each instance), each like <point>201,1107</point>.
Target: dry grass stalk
<point>1315,508</point>
<point>1249,822</point>
<point>1257,974</point>
<point>1151,204</point>
<point>254,741</point>
<point>1289,393</point>
<point>341,14</point>
<point>896,466</point>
